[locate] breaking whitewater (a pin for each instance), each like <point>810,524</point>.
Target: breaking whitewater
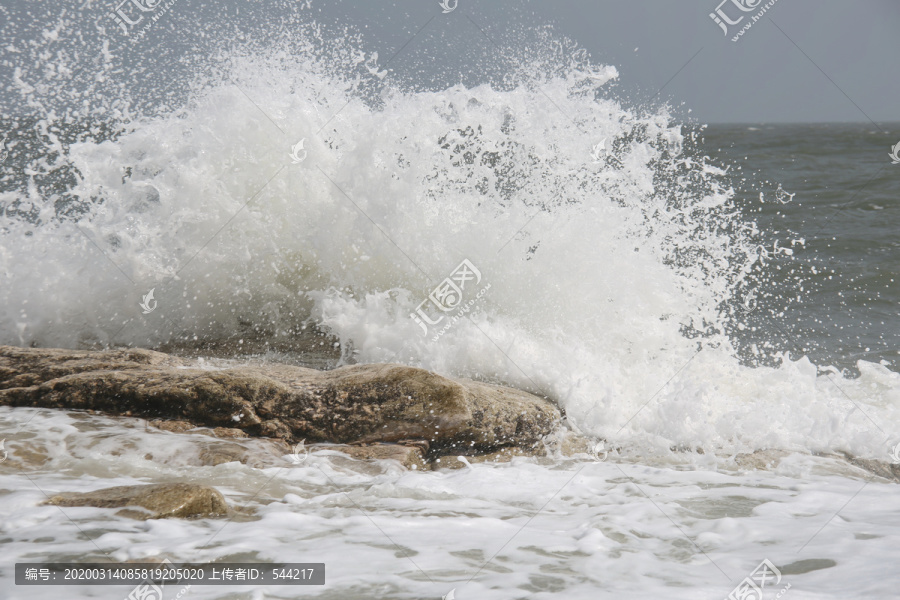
<point>298,201</point>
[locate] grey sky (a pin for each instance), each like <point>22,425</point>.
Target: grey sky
<point>791,66</point>
<point>763,77</point>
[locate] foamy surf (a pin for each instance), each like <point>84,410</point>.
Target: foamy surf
<point>532,528</point>
<point>615,256</point>
<point>300,201</point>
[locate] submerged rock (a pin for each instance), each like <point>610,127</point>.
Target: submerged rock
<point>498,456</point>
<point>159,501</point>
<point>760,460</point>
<point>890,471</point>
<point>185,427</point>
<point>410,457</point>
<point>360,404</point>
<point>221,454</point>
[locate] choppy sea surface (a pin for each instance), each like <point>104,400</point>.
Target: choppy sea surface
<point>717,303</point>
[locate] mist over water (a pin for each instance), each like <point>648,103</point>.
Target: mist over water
<point>623,271</point>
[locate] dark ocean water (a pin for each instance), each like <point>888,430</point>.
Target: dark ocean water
<point>836,298</point>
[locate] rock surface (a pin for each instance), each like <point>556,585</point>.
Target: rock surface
<point>498,456</point>
<point>880,468</point>
<point>159,500</point>
<point>408,456</point>
<point>185,427</point>
<point>760,460</point>
<point>360,404</point>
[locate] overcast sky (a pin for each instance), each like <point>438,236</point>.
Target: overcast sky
<point>803,60</point>
<point>778,70</point>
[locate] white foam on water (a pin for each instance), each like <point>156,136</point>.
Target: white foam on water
<point>528,529</point>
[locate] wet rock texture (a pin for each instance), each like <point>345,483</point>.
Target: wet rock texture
<point>410,457</point>
<point>360,404</point>
<point>155,501</point>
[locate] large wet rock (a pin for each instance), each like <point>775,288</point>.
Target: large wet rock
<point>158,501</point>
<point>357,404</point>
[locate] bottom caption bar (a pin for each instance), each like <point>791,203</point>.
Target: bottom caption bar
<point>170,573</point>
